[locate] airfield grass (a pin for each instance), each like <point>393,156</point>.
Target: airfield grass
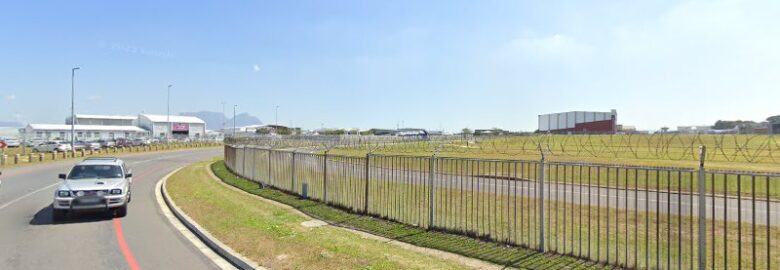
<point>474,247</point>
<point>724,152</point>
<point>504,211</point>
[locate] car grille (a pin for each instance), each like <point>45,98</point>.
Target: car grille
<point>94,192</point>
<point>88,201</point>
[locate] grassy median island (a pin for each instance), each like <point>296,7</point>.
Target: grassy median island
<point>274,237</point>
<point>487,251</point>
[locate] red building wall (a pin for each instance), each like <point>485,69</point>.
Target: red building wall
<point>596,127</point>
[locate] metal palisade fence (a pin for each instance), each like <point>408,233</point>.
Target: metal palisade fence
<point>628,216</point>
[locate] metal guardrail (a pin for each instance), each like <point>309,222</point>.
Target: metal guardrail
<point>628,216</point>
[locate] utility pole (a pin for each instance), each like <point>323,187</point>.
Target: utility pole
<point>276,115</point>
<point>234,119</point>
<point>73,110</point>
<point>223,117</point>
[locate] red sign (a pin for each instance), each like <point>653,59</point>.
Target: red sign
<point>2,144</point>
<point>181,127</point>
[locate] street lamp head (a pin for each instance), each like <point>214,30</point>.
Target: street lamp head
<point>76,68</point>
<point>170,85</point>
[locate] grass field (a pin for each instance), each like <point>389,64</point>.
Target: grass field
<point>464,245</point>
<point>605,234</point>
<point>726,152</point>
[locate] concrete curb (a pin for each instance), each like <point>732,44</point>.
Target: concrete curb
<point>222,255</point>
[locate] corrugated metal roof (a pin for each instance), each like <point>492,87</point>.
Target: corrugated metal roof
<point>86,127</point>
<point>114,117</point>
<point>174,119</point>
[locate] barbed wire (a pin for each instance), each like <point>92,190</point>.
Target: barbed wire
<point>675,147</point>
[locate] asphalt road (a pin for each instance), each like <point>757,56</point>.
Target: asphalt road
<point>29,239</point>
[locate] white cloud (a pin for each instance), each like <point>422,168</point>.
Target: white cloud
<point>256,68</point>
<point>10,97</point>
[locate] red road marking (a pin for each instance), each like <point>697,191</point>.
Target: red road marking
<point>120,237</point>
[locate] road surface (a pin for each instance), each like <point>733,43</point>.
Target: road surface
<point>652,201</point>
<point>142,240</point>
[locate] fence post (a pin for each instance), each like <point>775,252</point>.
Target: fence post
<point>269,166</point>
<point>243,162</point>
<point>365,198</point>
<point>292,184</point>
<point>540,197</point>
<point>254,165</point>
<point>325,178</point>
<point>431,191</point>
<point>702,210</point>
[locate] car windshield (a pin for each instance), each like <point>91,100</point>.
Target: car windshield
<point>95,171</point>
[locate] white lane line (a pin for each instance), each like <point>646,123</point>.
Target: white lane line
<point>27,195</point>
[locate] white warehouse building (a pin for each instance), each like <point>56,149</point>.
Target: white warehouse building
<point>176,126</point>
<point>104,120</point>
<point>83,132</point>
<point>109,127</point>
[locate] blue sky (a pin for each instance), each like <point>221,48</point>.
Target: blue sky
<point>432,64</point>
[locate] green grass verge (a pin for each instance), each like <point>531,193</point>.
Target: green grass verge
<point>274,236</point>
<point>487,251</point>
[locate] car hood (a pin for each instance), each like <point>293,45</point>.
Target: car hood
<point>92,184</point>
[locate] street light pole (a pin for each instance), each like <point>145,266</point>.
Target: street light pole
<point>72,109</point>
<point>234,119</point>
<point>276,115</point>
<point>170,132</point>
<point>223,118</point>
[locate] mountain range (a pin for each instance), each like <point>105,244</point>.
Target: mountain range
<point>214,120</point>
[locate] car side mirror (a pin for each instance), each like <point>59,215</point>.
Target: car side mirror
<point>63,176</point>
<point>128,175</point>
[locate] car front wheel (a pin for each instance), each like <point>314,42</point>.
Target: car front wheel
<point>121,211</point>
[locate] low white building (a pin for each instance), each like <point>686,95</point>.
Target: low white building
<point>176,126</point>
<point>104,120</point>
<point>82,132</point>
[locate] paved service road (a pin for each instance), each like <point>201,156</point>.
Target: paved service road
<point>142,240</point>
<point>653,201</point>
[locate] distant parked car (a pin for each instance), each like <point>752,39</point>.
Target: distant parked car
<point>106,143</point>
<point>87,145</point>
<point>11,143</point>
<point>122,142</point>
<point>34,142</point>
<point>52,146</point>
<point>141,142</point>
<point>79,146</point>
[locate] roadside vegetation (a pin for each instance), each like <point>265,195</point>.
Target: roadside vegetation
<point>27,157</point>
<point>467,246</point>
<point>274,237</point>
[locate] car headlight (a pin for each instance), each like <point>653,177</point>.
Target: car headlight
<point>116,191</point>
<point>63,193</point>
